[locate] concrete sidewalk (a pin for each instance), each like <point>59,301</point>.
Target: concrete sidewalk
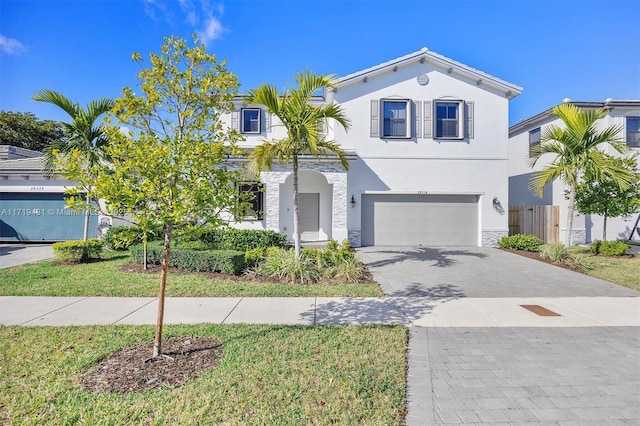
<point>423,312</point>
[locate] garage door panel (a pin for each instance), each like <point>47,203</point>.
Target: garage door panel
<point>440,220</point>
<point>40,217</point>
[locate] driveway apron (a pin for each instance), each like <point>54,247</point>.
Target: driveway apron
<point>567,373</point>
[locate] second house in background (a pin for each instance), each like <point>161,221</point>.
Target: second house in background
<point>428,159</point>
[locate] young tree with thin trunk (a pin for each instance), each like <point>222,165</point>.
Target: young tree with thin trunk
<point>84,142</point>
<point>303,121</point>
<point>606,198</point>
<point>577,154</point>
<point>169,149</point>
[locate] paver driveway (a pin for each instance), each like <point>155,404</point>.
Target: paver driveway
<point>571,375</point>
<point>476,272</point>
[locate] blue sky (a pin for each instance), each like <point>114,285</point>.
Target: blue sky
<point>585,50</point>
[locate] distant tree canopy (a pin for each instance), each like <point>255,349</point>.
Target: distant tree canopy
<point>23,129</point>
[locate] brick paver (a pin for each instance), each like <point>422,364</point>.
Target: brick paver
<point>524,375</point>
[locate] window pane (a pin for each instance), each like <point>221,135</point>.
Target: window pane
<point>250,121</point>
<point>633,131</point>
<point>395,119</point>
<point>447,123</point>
<point>254,201</point>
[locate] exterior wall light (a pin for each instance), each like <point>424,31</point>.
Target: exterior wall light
<point>353,202</point>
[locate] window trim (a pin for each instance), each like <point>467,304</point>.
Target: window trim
<point>242,120</point>
<point>461,119</point>
<point>627,132</point>
<point>408,118</point>
<point>258,200</point>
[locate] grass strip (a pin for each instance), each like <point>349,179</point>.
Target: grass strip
<point>106,278</point>
<point>286,375</point>
<point>622,270</point>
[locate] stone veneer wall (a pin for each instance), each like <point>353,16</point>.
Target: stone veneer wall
<point>491,238</point>
<point>355,237</point>
<point>336,177</point>
<point>578,236</point>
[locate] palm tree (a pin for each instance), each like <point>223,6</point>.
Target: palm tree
<point>303,122</point>
<point>83,135</point>
<point>577,154</point>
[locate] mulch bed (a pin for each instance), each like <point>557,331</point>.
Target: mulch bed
<point>132,370</point>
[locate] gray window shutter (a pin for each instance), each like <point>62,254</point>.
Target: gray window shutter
<point>235,120</point>
<point>469,115</point>
<point>267,121</point>
<point>427,123</point>
<point>418,119</point>
<point>375,118</point>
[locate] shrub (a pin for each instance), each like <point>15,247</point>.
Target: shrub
<point>226,261</point>
<point>254,256</point>
<point>282,263</point>
<point>122,237</point>
<point>77,251</point>
<point>614,248</point>
<point>349,270</point>
<point>524,242</point>
<point>554,252</point>
<point>314,255</point>
<point>595,246</point>
<point>581,261</point>
<point>238,239</point>
<point>334,254</point>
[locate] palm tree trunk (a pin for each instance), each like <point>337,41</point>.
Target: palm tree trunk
<point>604,228</point>
<point>87,215</point>
<point>571,208</point>
<point>296,217</point>
<point>157,342</point>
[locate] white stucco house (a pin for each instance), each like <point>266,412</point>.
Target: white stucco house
<point>525,134</point>
<point>428,154</point>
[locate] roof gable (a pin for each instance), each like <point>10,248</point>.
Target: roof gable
<point>425,55</point>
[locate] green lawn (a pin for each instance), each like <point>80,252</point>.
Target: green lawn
<point>107,279</point>
<point>623,270</point>
<point>268,375</point>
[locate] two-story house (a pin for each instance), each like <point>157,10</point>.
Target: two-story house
<point>428,159</point>
<point>526,134</point>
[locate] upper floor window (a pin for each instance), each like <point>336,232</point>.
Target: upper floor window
<point>396,118</point>
<point>633,131</point>
<point>449,119</point>
<point>534,139</point>
<point>252,195</point>
<point>250,120</point>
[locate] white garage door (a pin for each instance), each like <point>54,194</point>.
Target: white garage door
<point>412,220</point>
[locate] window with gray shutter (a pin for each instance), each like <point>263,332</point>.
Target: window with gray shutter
<point>469,111</point>
<point>427,123</point>
<point>418,119</point>
<point>375,119</point>
<point>235,120</point>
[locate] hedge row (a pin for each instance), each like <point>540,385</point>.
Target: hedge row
<point>237,239</point>
<point>77,250</point>
<point>226,261</point>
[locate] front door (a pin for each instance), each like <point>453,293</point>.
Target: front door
<point>309,216</point>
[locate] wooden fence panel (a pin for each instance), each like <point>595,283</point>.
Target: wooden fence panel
<point>541,221</point>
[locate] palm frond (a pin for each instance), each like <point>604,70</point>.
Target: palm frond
<point>58,100</point>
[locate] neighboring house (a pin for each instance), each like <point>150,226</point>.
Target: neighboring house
<point>32,207</point>
<point>525,134</point>
<point>428,159</point>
